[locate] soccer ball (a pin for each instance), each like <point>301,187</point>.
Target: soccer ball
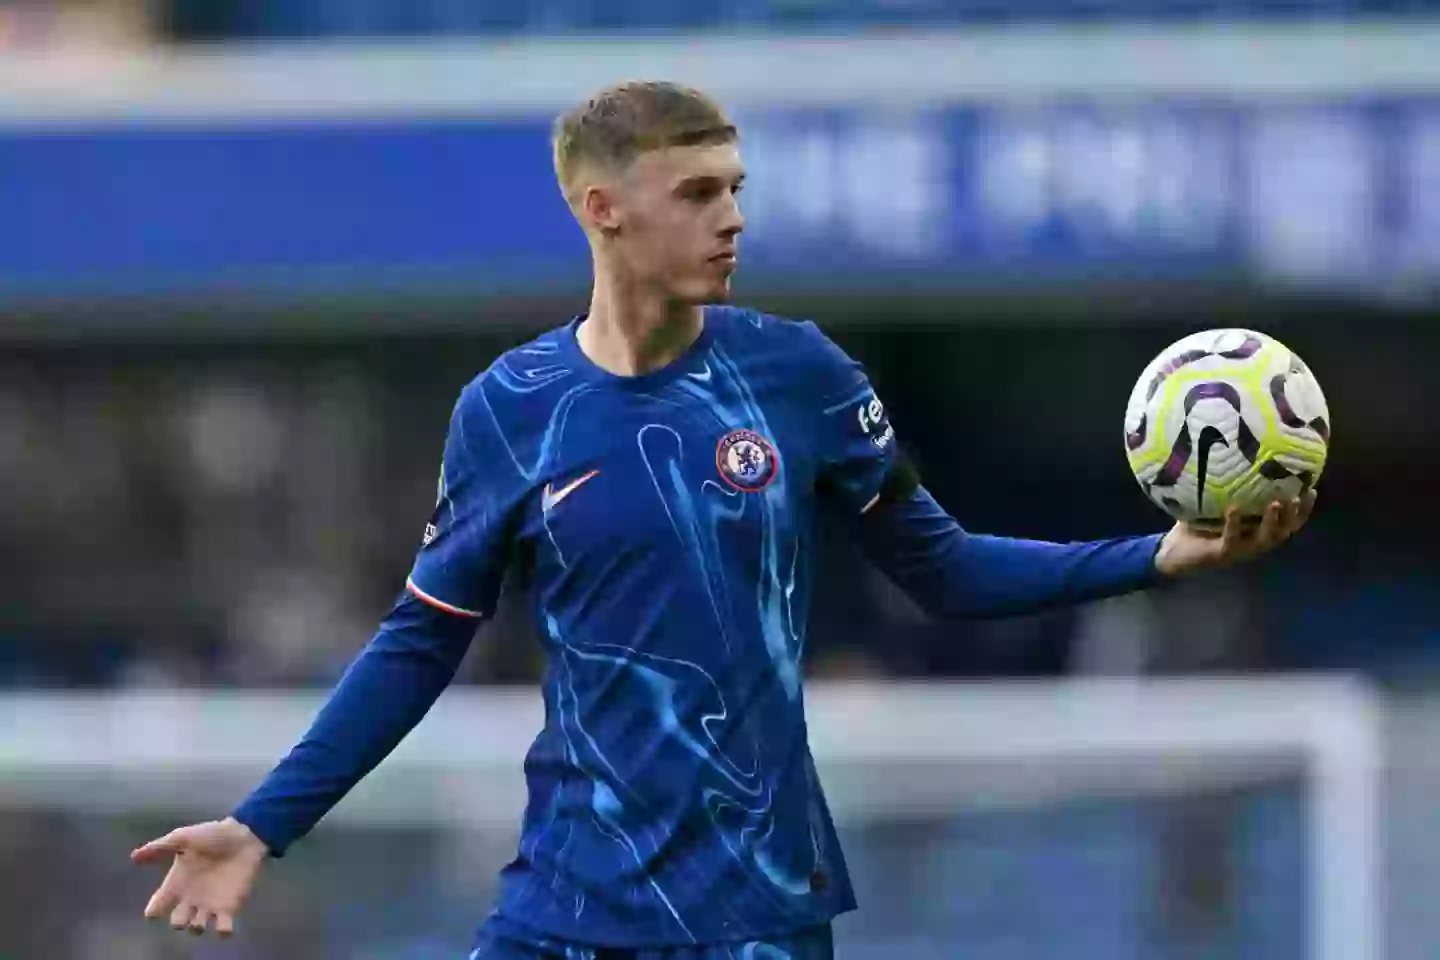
<point>1226,417</point>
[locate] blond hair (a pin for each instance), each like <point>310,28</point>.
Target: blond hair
<point>617,124</point>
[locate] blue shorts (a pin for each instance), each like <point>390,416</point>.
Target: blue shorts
<point>813,944</point>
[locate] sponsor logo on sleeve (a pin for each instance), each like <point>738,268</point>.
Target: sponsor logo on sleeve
<point>873,422</point>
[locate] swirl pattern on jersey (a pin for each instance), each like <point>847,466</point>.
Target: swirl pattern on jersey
<point>669,739</point>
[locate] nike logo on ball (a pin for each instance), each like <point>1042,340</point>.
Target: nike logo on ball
<point>1209,437</point>
<point>551,496</point>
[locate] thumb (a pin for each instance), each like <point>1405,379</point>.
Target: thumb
<point>173,842</point>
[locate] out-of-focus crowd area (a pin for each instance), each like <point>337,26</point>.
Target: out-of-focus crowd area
<point>221,514</point>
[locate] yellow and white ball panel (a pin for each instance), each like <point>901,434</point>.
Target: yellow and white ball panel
<point>1225,417</point>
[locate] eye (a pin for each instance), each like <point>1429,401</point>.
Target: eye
<point>707,190</point>
<point>699,192</point>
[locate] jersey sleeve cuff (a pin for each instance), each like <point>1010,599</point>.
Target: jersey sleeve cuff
<point>439,604</point>
<point>1151,575</point>
<point>266,832</point>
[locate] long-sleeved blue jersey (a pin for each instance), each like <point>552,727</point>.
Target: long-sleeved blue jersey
<point>666,521</point>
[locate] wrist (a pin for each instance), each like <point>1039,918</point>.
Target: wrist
<point>247,838</point>
<point>1164,560</point>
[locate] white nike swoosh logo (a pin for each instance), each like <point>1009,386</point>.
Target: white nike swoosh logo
<point>552,496</point>
<point>703,377</point>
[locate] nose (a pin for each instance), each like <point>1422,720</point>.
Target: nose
<point>733,221</point>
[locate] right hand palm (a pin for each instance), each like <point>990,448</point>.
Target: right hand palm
<point>214,868</point>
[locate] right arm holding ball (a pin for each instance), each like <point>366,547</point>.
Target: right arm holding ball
<point>953,573</point>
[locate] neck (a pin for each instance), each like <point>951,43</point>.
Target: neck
<point>631,332</point>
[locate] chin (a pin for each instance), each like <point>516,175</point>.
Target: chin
<point>719,292</point>
<point>701,295</point>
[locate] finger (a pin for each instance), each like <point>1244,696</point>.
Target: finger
<point>1291,521</point>
<point>172,842</point>
<point>181,915</point>
<point>1270,526</point>
<point>224,924</point>
<point>1307,506</point>
<point>161,902</point>
<point>199,922</point>
<point>1232,533</point>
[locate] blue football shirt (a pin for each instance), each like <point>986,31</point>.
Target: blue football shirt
<point>667,519</point>
<point>666,523</point>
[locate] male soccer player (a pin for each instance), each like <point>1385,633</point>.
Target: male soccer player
<point>656,466</point>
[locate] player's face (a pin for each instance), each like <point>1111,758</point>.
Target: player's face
<point>680,220</point>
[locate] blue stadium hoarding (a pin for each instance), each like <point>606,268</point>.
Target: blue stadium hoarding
<point>294,19</point>
<point>1319,193</point>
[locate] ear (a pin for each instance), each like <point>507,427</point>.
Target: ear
<point>599,208</point>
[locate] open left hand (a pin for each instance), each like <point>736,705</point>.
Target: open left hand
<point>1188,548</point>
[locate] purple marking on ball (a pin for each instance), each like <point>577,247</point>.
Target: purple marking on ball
<point>1175,363</point>
<point>1135,439</point>
<point>1288,416</point>
<point>1247,442</point>
<point>1282,402</point>
<point>1274,470</point>
<point>1244,437</point>
<point>1212,391</point>
<point>1179,456</point>
<point>1245,351</point>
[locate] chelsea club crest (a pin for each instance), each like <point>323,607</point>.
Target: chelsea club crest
<point>746,460</point>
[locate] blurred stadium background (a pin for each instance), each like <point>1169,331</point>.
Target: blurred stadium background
<point>250,250</point>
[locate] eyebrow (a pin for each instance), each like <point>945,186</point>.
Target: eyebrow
<point>710,177</point>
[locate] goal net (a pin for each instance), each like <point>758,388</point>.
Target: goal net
<point>1105,819</point>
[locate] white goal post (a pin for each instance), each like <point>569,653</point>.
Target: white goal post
<point>193,753</point>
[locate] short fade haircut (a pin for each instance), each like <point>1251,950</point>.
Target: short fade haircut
<point>617,124</point>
